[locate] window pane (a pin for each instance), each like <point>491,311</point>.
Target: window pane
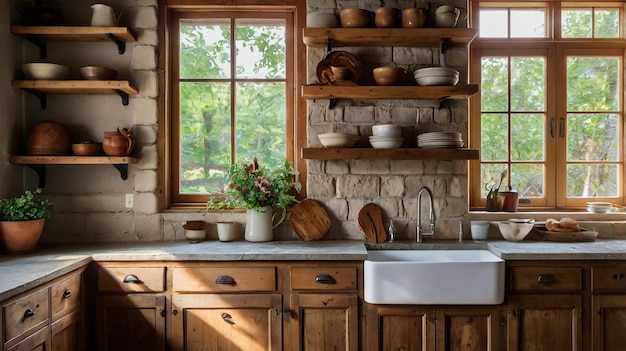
<point>494,137</point>
<point>493,23</point>
<point>528,179</point>
<point>606,23</point>
<point>204,136</point>
<point>592,137</point>
<point>528,75</point>
<point>596,180</point>
<point>495,84</point>
<point>261,51</point>
<point>205,50</point>
<point>261,123</point>
<point>576,23</point>
<point>527,134</point>
<point>592,83</point>
<point>491,176</point>
<point>528,23</point>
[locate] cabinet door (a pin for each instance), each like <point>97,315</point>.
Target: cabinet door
<point>544,322</point>
<point>469,328</point>
<point>609,323</point>
<point>130,323</point>
<point>67,332</point>
<point>324,322</point>
<point>39,341</point>
<point>226,322</point>
<point>410,328</point>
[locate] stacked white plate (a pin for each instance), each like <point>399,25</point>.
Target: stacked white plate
<point>385,142</point>
<point>436,76</point>
<point>440,140</point>
<point>599,207</point>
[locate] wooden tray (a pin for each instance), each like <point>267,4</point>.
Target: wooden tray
<point>583,236</point>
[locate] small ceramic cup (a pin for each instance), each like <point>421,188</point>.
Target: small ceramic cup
<point>480,230</point>
<point>227,231</point>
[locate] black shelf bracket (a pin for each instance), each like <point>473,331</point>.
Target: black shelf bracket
<point>441,101</point>
<point>41,173</point>
<point>42,44</point>
<point>443,47</point>
<point>329,45</point>
<point>123,169</point>
<point>123,95</point>
<point>332,103</point>
<point>121,46</point>
<point>43,98</point>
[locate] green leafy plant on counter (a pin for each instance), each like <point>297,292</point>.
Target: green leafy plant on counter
<point>25,207</point>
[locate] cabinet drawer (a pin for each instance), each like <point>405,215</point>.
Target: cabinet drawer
<point>131,279</point>
<point>611,278</point>
<point>66,294</point>
<point>25,314</point>
<point>216,280</point>
<point>320,278</point>
<point>546,278</point>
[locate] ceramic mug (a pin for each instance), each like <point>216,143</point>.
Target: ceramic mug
<point>227,231</point>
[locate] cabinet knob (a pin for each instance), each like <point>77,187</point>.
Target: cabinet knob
<point>325,279</point>
<point>29,314</point>
<point>67,294</point>
<point>175,312</point>
<point>228,318</point>
<point>546,279</point>
<point>619,276</point>
<point>132,279</point>
<point>225,279</point>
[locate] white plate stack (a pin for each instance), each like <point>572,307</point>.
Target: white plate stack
<point>440,140</point>
<point>386,136</point>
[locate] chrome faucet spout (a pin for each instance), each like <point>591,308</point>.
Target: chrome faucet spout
<point>431,214</point>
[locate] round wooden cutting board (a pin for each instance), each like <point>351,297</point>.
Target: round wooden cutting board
<point>309,220</point>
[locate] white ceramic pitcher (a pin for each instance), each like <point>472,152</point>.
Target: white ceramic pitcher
<point>260,224</point>
<point>103,16</point>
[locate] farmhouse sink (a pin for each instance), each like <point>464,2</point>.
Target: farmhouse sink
<point>425,277</point>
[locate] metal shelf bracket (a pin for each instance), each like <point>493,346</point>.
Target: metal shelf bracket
<point>42,44</point>
<point>121,46</point>
<point>123,169</point>
<point>443,47</point>
<point>41,173</point>
<point>329,46</point>
<point>123,95</point>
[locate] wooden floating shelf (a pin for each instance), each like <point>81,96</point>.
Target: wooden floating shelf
<point>390,154</point>
<point>403,37</point>
<point>388,92</point>
<point>75,33</point>
<point>41,88</point>
<point>39,163</point>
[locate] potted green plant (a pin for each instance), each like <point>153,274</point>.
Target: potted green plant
<point>21,221</point>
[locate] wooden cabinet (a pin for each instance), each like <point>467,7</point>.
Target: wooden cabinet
<point>49,317</point>
<point>130,307</point>
<point>608,284</point>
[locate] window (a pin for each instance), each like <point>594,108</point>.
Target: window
<point>230,94</point>
<point>550,109</point>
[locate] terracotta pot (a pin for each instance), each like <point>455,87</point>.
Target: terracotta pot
<point>20,237</point>
<point>119,143</point>
<point>48,138</point>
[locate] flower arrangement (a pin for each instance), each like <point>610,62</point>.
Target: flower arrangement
<point>253,187</point>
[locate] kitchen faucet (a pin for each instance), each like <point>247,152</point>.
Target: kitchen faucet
<point>431,215</point>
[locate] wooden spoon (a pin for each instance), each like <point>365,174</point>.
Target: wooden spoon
<point>371,223</point>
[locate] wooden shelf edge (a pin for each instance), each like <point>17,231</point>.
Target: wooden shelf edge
<point>75,33</point>
<point>76,86</point>
<point>71,160</point>
<point>389,154</point>
<point>318,37</point>
<point>388,92</point>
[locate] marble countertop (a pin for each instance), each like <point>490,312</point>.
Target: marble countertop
<point>21,273</point>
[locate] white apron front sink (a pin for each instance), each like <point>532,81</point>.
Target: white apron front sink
<point>433,277</point>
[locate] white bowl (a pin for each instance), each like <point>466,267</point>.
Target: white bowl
<point>386,130</point>
<point>45,71</point>
<point>516,231</point>
<point>385,144</point>
<point>319,19</point>
<point>385,138</point>
<point>429,81</point>
<point>439,70</point>
<point>337,139</point>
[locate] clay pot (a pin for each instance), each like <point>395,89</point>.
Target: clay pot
<point>20,237</point>
<point>119,143</point>
<point>48,138</point>
<point>414,18</point>
<point>387,17</point>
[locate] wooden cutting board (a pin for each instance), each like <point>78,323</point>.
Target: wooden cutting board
<point>309,220</point>
<point>582,236</point>
<point>371,223</point>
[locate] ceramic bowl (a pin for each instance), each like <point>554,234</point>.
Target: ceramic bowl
<point>319,19</point>
<point>97,73</point>
<point>446,19</point>
<point>337,140</point>
<point>516,231</point>
<point>86,148</point>
<point>599,207</point>
<point>389,75</point>
<point>45,71</point>
<point>387,17</point>
<point>387,130</point>
<point>435,80</point>
<point>355,18</point>
<point>385,144</point>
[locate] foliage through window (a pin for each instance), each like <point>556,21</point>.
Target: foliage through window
<point>550,108</point>
<point>231,73</point>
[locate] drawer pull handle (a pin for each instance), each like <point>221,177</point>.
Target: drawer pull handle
<point>228,318</point>
<point>67,294</point>
<point>132,279</point>
<point>546,279</point>
<point>325,279</point>
<point>29,314</point>
<point>619,276</point>
<point>225,279</point>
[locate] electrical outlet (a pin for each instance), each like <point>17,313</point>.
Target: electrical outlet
<point>129,200</point>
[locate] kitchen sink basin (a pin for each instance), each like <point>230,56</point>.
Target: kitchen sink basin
<point>425,277</point>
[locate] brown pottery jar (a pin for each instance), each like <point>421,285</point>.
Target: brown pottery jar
<point>119,143</point>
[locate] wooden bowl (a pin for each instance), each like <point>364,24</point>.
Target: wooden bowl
<point>86,148</point>
<point>97,73</point>
<point>387,17</point>
<point>389,75</point>
<point>355,18</point>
